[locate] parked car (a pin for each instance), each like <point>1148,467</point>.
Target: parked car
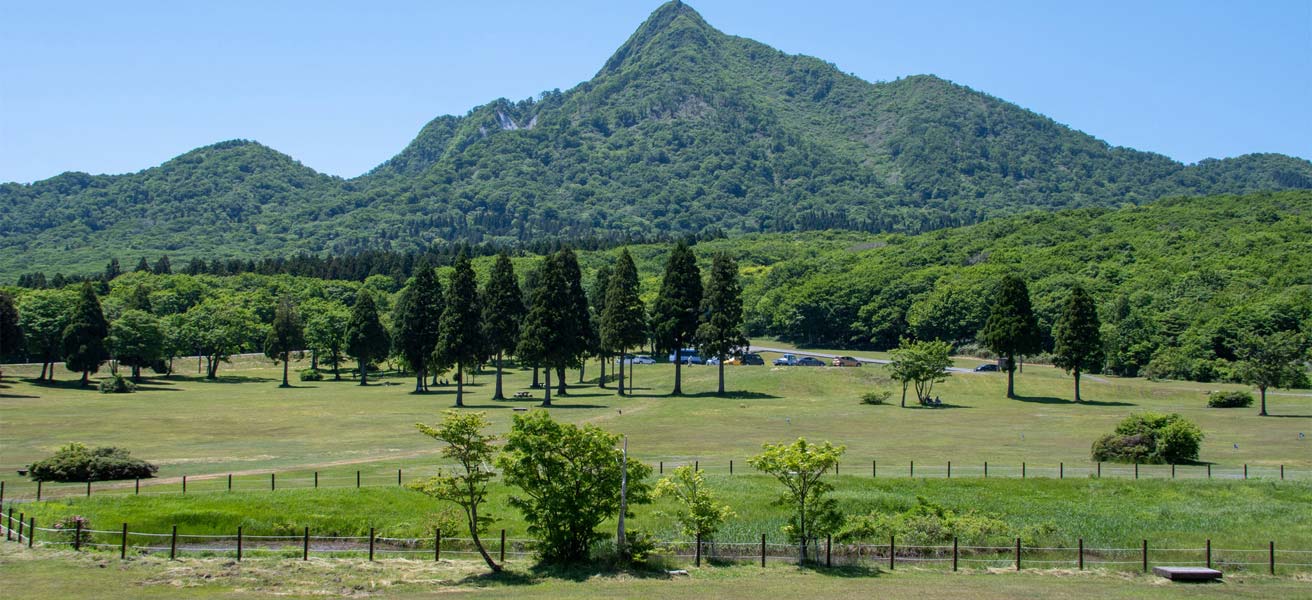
<point>809,361</point>
<point>786,360</point>
<point>746,359</point>
<point>714,360</point>
<point>986,367</point>
<point>640,359</point>
<point>846,361</point>
<point>689,356</point>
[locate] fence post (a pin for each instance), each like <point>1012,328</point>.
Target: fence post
<point>38,490</point>
<point>22,518</point>
<point>1245,470</point>
<point>305,544</point>
<point>949,469</point>
<point>874,469</point>
<point>239,543</point>
<point>273,481</point>
<point>1209,470</point>
<point>9,525</point>
<point>1282,469</point>
<point>1099,469</point>
<point>357,479</point>
<point>1061,470</point>
<point>954,553</point>
<point>697,554</point>
<point>316,480</point>
<point>1080,559</point>
<point>892,553</point>
<point>123,543</point>
<point>77,535</point>
<point>1136,470</point>
<point>731,466</point>
<point>184,485</point>
<point>437,544</point>
<point>398,477</point>
<point>1022,470</point>
<point>762,550</point>
<point>88,488</point>
<point>1017,554</point>
<point>913,469</point>
<point>662,467</point>
<point>1282,474</point>
<point>2,493</point>
<point>1271,554</point>
<point>696,466</point>
<point>1145,556</point>
<point>371,544</point>
<point>503,545</point>
<point>229,482</point>
<point>173,544</point>
<point>31,536</point>
<point>1209,553</point>
<point>1172,470</point>
<point>986,469</point>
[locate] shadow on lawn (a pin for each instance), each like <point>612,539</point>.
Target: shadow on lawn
<point>1054,400</point>
<point>226,379</point>
<point>733,395</point>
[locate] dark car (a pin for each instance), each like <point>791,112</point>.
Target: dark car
<point>809,361</point>
<point>986,367</point>
<point>753,359</point>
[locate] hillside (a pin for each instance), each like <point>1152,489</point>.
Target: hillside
<point>683,130</point>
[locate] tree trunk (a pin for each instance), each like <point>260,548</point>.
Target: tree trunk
<point>621,369</point>
<point>314,359</point>
<point>561,387</point>
<point>535,376</point>
<point>601,383</point>
<point>136,374</point>
<point>678,372</point>
<point>337,366</point>
<point>904,394</point>
<point>86,376</point>
<point>364,372</point>
<point>721,365</point>
<point>420,372</point>
<point>1263,393</point>
<point>582,365</point>
<point>42,376</point>
<point>1077,385</point>
<point>478,543</point>
<point>498,395</point>
<point>546,397</point>
<point>285,366</point>
<point>620,536</point>
<point>460,384</point>
<point>802,522</point>
<point>1011,376</point>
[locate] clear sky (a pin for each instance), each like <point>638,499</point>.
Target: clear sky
<point>113,87</point>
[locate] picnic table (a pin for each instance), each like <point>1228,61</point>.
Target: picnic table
<point>523,394</point>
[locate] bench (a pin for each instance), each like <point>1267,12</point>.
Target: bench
<point>1187,573</point>
<point>520,409</point>
<point>523,395</point>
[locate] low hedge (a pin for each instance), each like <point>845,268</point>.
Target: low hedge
<point>1220,399</point>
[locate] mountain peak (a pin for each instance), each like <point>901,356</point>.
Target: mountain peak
<point>672,24</point>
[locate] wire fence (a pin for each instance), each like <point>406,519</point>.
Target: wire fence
<point>26,490</point>
<point>24,530</point>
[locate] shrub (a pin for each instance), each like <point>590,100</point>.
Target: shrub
<point>311,375</point>
<point>928,524</point>
<point>1221,399</point>
<point>876,397</point>
<point>66,529</point>
<point>1152,438</point>
<point>76,462</point>
<point>117,384</point>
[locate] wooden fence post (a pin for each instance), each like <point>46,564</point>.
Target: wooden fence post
<point>913,469</point>
<point>1022,470</point>
<point>731,466</point>
<point>1017,554</point>
<point>892,553</point>
<point>1144,555</point>
<point>31,537</point>
<point>273,481</point>
<point>986,469</point>
<point>954,553</point>
<point>123,543</point>
<point>829,549</point>
<point>1245,470</point>
<point>316,480</point>
<point>305,544</point>
<point>1209,470</point>
<point>949,469</point>
<point>9,525</point>
<point>229,482</point>
<point>357,479</point>
<point>2,493</point>
<point>1099,469</point>
<point>1080,559</point>
<point>88,488</point>
<point>762,550</point>
<point>437,544</point>
<point>22,519</point>
<point>1136,470</point>
<point>1271,555</point>
<point>398,477</point>
<point>1282,472</point>
<point>1172,470</point>
<point>371,544</point>
<point>662,468</point>
<point>874,469</point>
<point>503,545</point>
<point>38,490</point>
<point>184,485</point>
<point>1061,470</point>
<point>1209,553</point>
<point>696,466</point>
<point>77,535</point>
<point>239,543</point>
<point>173,544</point>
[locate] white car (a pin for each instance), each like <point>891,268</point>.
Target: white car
<point>787,360</point>
<point>641,359</point>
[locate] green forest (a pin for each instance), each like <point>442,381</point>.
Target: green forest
<point>1176,284</point>
<point>685,130</point>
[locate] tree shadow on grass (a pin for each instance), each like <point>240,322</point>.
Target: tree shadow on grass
<point>1290,416</point>
<point>555,400</point>
<point>228,379</point>
<point>863,571</point>
<point>734,395</point>
<point>936,406</point>
<point>1054,400</point>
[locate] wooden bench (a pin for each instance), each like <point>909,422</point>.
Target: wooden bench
<point>521,409</point>
<point>1187,573</point>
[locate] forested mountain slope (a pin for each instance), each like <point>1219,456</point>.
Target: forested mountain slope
<point>684,130</point>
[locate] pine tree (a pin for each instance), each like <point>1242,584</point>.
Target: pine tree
<point>142,266</point>
<point>674,314</point>
<point>597,300</point>
<point>721,331</point>
<point>578,336</point>
<point>503,312</point>
<point>286,335</point>
<point>11,333</point>
<point>458,339</point>
<point>84,337</point>
<point>1077,337</point>
<point>419,315</point>
<point>112,270</point>
<point>1012,329</point>
<point>624,321</point>
<point>543,337</point>
<point>139,300</point>
<point>162,266</point>
<point>366,338</point>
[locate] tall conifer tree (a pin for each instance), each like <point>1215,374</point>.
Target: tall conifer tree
<point>503,312</point>
<point>721,331</point>
<point>458,339</point>
<point>578,335</point>
<point>286,336</point>
<point>84,337</point>
<point>1077,336</point>
<point>543,339</point>
<point>419,315</point>
<point>624,322</point>
<point>674,314</point>
<point>597,299</point>
<point>1012,329</point>
<point>366,338</point>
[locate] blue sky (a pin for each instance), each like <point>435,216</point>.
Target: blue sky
<point>342,86</point>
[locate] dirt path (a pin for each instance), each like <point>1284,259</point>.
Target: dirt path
<point>300,467</point>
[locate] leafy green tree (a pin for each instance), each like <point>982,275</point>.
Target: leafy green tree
<point>920,364</point>
<point>1130,339</point>
<point>219,327</point>
<point>44,314</point>
<point>419,317</point>
<point>1272,360</point>
<point>366,338</point>
<point>326,324</point>
<point>597,301</point>
<point>624,319</point>
<point>458,336</point>
<point>1077,336</point>
<point>84,337</point>
<point>136,340</point>
<point>286,336</point>
<point>700,514</point>
<point>139,300</point>
<point>799,466</point>
<point>11,330</point>
<point>569,482</point>
<point>1012,329</point>
<point>721,331</point>
<point>674,313</point>
<point>543,340</point>
<point>503,312</point>
<point>469,445</point>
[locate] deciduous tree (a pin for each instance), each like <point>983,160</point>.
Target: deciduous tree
<point>472,448</point>
<point>1272,360</point>
<point>799,466</point>
<point>137,341</point>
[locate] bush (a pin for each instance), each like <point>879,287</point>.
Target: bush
<point>311,375</point>
<point>76,462</point>
<point>928,524</point>
<point>117,384</point>
<point>66,530</point>
<point>1220,399</point>
<point>1151,438</point>
<point>876,397</point>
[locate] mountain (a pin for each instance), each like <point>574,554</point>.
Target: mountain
<point>683,130</point>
